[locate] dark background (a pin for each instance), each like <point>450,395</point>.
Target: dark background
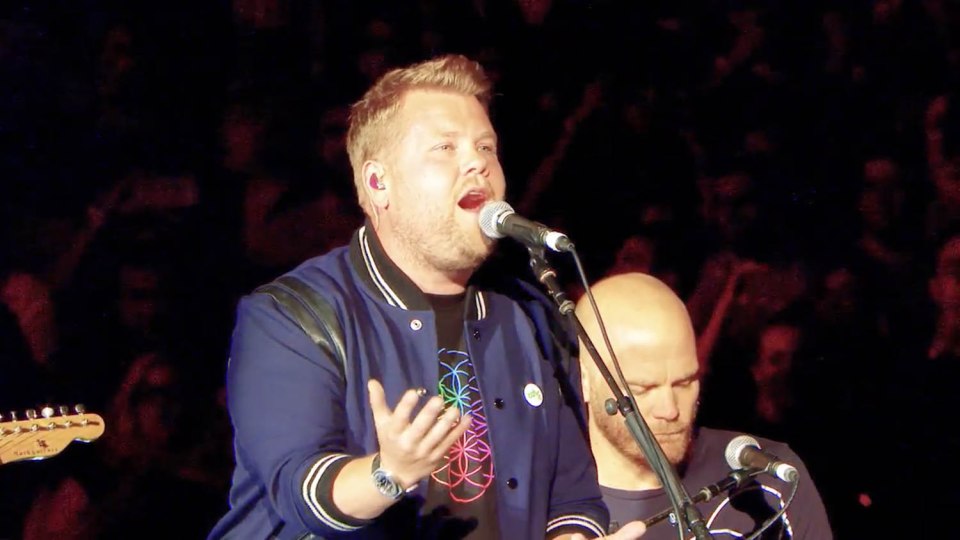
<point>789,167</point>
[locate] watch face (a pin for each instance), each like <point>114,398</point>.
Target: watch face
<point>386,485</point>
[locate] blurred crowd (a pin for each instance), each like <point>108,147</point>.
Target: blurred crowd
<point>791,169</point>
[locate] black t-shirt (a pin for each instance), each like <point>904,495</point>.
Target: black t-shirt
<point>729,515</point>
<point>461,501</point>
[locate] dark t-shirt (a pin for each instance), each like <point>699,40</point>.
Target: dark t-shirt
<point>461,501</point>
<point>730,515</point>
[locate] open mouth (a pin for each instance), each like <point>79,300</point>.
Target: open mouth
<point>473,200</point>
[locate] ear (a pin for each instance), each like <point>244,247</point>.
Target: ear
<point>375,185</point>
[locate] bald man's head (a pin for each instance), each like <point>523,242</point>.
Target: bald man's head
<point>637,303</point>
<point>654,341</point>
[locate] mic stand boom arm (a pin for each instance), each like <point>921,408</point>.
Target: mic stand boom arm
<point>687,513</point>
<point>733,480</point>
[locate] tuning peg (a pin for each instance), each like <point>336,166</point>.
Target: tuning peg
<point>46,412</point>
<point>64,410</point>
<point>79,408</point>
<point>31,414</point>
<point>13,418</point>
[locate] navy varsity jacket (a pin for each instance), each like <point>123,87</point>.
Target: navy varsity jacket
<point>299,412</point>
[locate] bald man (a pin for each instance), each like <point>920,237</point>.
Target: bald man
<point>653,339</point>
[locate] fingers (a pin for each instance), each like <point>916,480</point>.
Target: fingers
<point>412,449</point>
<point>431,436</point>
<point>378,402</point>
<point>426,418</point>
<point>394,421</point>
<point>401,414</point>
<point>451,437</point>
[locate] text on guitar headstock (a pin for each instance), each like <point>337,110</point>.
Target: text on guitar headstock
<point>46,435</point>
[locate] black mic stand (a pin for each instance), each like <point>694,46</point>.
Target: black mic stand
<point>688,515</point>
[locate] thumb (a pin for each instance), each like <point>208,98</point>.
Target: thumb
<point>630,531</point>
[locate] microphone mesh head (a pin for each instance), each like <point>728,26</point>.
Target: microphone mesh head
<point>490,215</point>
<point>735,446</point>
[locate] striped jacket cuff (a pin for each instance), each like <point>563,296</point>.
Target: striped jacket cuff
<point>318,493</point>
<point>574,523</point>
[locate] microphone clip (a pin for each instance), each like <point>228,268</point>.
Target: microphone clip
<point>546,275</point>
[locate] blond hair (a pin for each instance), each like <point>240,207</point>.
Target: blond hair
<point>373,128</point>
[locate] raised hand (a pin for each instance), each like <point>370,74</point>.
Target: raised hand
<point>412,450</point>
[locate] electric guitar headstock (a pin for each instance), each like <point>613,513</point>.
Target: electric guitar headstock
<point>46,435</point>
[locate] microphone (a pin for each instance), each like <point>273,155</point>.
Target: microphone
<point>497,220</point>
<point>744,451</point>
<point>735,479</point>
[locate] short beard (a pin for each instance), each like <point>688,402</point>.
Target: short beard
<point>452,255</point>
<point>461,259</point>
<point>677,448</point>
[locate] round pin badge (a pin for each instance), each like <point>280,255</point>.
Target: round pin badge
<point>533,395</point>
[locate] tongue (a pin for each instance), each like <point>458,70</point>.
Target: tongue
<point>472,201</point>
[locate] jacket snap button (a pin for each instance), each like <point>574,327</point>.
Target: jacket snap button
<point>512,483</point>
<point>416,325</point>
<point>498,403</point>
<point>476,334</point>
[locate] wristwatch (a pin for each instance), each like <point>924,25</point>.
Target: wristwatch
<point>384,481</point>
